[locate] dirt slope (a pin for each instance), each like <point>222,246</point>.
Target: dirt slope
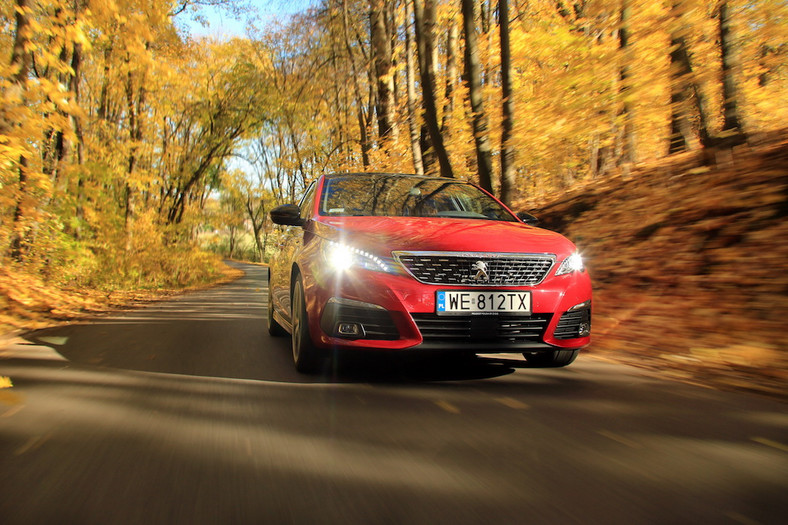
<point>690,264</point>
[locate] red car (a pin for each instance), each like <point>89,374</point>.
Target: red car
<point>396,262</point>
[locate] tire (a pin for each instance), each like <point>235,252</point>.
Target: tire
<point>274,328</point>
<point>305,356</point>
<point>550,358</point>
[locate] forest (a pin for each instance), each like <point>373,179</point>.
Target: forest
<point>134,155</point>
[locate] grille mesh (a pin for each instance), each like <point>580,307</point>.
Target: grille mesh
<point>486,329</point>
<point>462,269</point>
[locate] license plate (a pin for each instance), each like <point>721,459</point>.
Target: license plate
<point>477,302</point>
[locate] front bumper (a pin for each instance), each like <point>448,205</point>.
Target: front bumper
<point>368,309</point>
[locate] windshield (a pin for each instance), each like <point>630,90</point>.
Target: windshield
<point>398,196</point>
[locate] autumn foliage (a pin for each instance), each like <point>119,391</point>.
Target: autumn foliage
<point>685,262</point>
<point>118,128</point>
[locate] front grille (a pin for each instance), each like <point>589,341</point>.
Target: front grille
<point>481,329</point>
<point>569,325</point>
<point>463,269</point>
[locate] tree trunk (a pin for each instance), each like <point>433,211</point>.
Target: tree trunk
<point>20,58</point>
<point>103,109</point>
<point>54,146</point>
<point>78,147</point>
<point>231,241</point>
<point>486,8</point>
<point>134,135</point>
<point>384,73</point>
<point>361,117</point>
<point>392,28</point>
<point>686,97</point>
<point>473,79</point>
<point>451,75</point>
<point>425,41</point>
<point>730,94</point>
<point>627,153</point>
<point>76,122</point>
<point>410,71</point>
<point>508,178</point>
<point>20,69</point>
<point>256,214</point>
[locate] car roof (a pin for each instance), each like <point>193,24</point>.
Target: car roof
<point>384,175</point>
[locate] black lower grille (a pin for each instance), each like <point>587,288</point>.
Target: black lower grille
<point>377,324</point>
<point>482,329</point>
<point>569,325</point>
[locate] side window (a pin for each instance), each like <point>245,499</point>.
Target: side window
<point>307,204</point>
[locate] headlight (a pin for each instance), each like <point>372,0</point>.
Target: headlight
<point>342,257</point>
<point>573,263</point>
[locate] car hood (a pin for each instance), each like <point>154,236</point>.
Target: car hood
<point>383,235</point>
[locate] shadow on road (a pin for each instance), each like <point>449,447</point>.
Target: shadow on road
<point>186,347</point>
<point>376,368</point>
<point>222,333</point>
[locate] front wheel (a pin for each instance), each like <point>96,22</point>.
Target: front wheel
<point>550,358</point>
<point>305,356</point>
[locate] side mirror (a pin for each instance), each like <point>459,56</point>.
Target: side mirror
<point>287,215</point>
<point>527,218</point>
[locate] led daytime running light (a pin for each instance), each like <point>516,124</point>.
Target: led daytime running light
<point>343,257</point>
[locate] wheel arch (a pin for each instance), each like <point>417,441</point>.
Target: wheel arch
<point>295,272</point>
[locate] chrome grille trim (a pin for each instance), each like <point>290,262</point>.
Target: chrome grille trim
<point>456,268</point>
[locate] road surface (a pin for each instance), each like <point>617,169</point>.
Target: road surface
<point>186,411</point>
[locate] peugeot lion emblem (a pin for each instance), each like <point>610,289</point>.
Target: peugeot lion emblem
<point>481,271</point>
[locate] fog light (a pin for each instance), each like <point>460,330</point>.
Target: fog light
<point>584,329</point>
<point>349,330</point>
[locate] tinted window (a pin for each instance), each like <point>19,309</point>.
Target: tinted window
<point>360,195</point>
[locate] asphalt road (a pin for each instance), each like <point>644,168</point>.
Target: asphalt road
<point>186,411</point>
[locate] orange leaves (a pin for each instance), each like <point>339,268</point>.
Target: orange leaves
<point>688,259</point>
<point>82,143</point>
